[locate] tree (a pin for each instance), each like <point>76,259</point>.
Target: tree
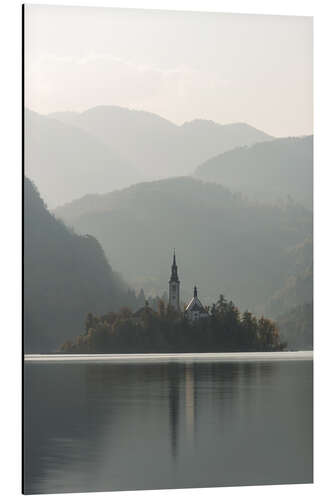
<point>268,333</point>
<point>141,298</point>
<point>161,308</point>
<point>249,329</point>
<point>91,321</point>
<point>125,312</point>
<point>221,306</point>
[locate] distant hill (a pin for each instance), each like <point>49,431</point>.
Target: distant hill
<point>65,277</point>
<point>266,171</point>
<point>66,162</point>
<point>296,326</point>
<point>158,147</point>
<point>225,244</point>
<point>298,286</point>
<point>298,289</point>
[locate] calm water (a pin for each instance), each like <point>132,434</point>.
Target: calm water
<point>115,426</point>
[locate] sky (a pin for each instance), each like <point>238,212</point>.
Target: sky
<point>181,65</point>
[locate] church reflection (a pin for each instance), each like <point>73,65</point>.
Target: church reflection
<point>101,416</point>
<point>189,398</point>
<point>173,393</point>
<point>182,404</point>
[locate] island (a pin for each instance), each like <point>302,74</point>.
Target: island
<point>220,327</point>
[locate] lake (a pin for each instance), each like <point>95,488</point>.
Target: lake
<point>109,425</point>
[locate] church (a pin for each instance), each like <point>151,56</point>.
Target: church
<point>194,309</point>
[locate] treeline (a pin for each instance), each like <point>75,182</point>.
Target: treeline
<point>166,330</point>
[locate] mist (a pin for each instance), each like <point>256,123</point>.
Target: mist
<point>180,65</point>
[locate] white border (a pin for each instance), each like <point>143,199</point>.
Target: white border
<point>10,210</point>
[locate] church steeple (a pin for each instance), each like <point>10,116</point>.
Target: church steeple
<point>174,269</point>
<point>174,284</point>
<point>195,292</point>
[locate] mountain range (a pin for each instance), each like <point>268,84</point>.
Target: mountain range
<point>106,148</point>
<point>156,146</point>
<point>66,162</point>
<point>225,243</point>
<point>266,171</point>
<point>241,219</point>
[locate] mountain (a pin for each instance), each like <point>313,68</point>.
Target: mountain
<point>66,162</point>
<point>205,139</point>
<point>298,289</point>
<point>224,243</point>
<point>158,147</point>
<point>65,277</point>
<point>296,326</point>
<point>298,286</point>
<point>267,170</point>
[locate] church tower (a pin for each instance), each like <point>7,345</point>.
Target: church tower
<point>174,285</point>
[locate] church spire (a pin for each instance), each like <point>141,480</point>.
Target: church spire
<point>174,284</point>
<point>195,292</point>
<point>174,269</point>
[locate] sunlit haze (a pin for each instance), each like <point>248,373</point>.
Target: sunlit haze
<point>180,65</point>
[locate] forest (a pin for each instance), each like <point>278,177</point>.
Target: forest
<point>167,330</point>
<point>65,275</point>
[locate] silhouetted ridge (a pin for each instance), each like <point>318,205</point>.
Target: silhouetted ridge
<point>66,162</point>
<point>157,147</point>
<point>267,170</point>
<point>65,276</point>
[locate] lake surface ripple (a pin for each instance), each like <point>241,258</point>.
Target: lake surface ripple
<point>137,425</point>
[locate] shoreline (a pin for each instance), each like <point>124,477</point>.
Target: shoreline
<point>177,357</point>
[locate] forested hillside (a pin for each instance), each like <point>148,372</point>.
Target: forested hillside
<point>65,276</point>
<point>268,171</point>
<point>298,286</point>
<point>296,326</point>
<point>224,243</point>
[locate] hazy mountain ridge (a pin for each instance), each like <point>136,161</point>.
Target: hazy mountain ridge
<point>296,326</point>
<point>298,286</point>
<point>156,146</point>
<point>225,244</point>
<point>298,289</point>
<point>66,162</point>
<point>65,276</point>
<point>267,170</point>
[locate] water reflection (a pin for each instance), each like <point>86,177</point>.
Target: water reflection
<point>190,400</point>
<point>107,426</point>
<point>174,389</point>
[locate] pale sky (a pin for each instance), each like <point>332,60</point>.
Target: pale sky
<point>180,65</point>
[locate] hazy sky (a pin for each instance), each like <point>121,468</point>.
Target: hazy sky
<point>180,65</point>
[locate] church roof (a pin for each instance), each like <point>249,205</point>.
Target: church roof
<point>195,304</point>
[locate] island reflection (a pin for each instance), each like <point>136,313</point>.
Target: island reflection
<point>109,426</point>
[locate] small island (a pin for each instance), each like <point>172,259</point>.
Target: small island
<point>220,327</point>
